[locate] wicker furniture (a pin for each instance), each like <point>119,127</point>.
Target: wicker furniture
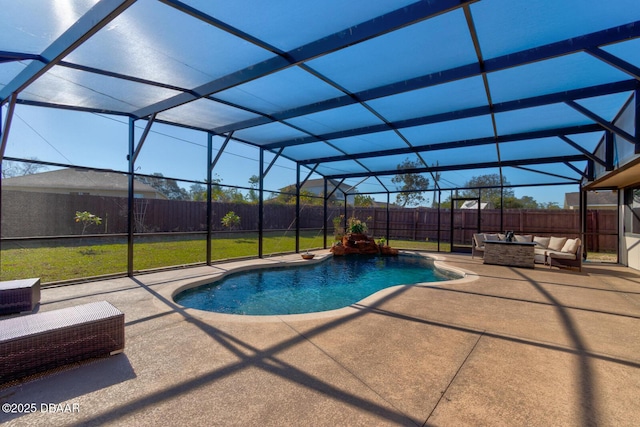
<point>38,342</point>
<point>18,296</point>
<point>566,258</point>
<point>513,254</point>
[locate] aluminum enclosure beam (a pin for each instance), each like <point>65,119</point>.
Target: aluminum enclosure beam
<point>604,123</point>
<point>209,195</point>
<point>408,15</point>
<point>565,47</point>
<point>616,62</point>
<point>461,144</point>
<point>504,163</point>
<point>261,175</point>
<point>4,131</point>
<point>273,162</point>
<point>130,198</point>
<point>143,138</point>
<point>594,91</point>
<point>90,23</point>
<point>224,145</point>
<point>577,146</point>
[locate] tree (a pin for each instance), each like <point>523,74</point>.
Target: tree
<point>412,184</point>
<point>12,169</point>
<point>548,205</point>
<point>288,197</point>
<point>168,187</point>
<point>525,202</point>
<point>362,200</point>
<point>252,196</point>
<point>490,194</point>
<point>87,219</point>
<point>198,193</point>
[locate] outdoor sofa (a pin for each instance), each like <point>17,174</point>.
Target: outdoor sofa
<point>549,250</point>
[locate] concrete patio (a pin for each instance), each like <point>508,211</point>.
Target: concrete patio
<point>504,346</point>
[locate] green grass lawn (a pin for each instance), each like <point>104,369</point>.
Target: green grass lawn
<point>53,264</point>
<point>72,262</point>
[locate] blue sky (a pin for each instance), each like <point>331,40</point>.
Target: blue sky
<point>100,141</point>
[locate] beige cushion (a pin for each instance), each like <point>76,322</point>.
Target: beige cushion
<point>478,239</point>
<point>491,237</point>
<point>562,255</point>
<point>525,238</point>
<point>570,246</point>
<point>556,243</point>
<point>542,241</point>
<point>502,236</point>
<point>540,255</point>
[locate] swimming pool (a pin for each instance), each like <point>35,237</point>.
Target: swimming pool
<point>335,283</point>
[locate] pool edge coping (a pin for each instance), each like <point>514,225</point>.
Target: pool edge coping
<point>169,290</point>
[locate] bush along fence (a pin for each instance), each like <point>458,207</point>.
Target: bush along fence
<point>28,214</point>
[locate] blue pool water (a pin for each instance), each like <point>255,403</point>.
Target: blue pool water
<point>335,283</point>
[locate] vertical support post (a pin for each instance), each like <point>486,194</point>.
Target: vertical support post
<point>297,207</point>
<point>209,195</point>
<point>637,123</point>
<point>346,212</point>
<point>591,172</point>
<point>479,210</point>
<point>609,150</point>
<point>388,216</point>
<point>130,205</point>
<point>439,204</point>
<point>2,138</point>
<point>619,206</point>
<point>261,204</point>
<point>451,226</point>
<point>325,215</point>
<point>501,208</point>
<point>583,222</point>
<point>4,131</point>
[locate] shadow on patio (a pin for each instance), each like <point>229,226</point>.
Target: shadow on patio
<point>512,347</point>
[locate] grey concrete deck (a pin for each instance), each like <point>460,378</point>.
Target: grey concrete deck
<point>507,346</point>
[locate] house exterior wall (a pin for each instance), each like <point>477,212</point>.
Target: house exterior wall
<point>629,250</point>
<point>92,192</point>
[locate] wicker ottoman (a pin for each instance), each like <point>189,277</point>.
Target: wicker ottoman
<point>38,342</point>
<point>18,296</point>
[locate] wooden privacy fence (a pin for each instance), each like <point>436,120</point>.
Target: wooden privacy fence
<point>28,214</point>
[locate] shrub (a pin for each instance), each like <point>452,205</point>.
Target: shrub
<point>230,220</point>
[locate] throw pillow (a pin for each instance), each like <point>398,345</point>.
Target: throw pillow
<point>542,241</point>
<point>491,237</point>
<point>556,243</point>
<point>525,238</point>
<point>571,246</point>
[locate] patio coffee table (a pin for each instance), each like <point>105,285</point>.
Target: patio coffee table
<point>512,254</point>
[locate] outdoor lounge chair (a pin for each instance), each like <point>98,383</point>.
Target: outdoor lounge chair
<point>569,256</point>
<point>477,245</point>
<point>38,342</point>
<point>477,242</point>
